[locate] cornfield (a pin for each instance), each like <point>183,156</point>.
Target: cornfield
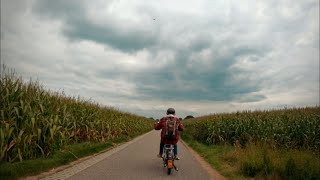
<point>295,128</point>
<point>34,122</point>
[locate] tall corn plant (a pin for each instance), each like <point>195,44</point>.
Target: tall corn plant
<point>34,122</point>
<point>296,128</point>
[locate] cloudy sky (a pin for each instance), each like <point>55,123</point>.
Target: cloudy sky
<point>198,56</point>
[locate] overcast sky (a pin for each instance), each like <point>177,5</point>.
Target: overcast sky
<point>198,56</point>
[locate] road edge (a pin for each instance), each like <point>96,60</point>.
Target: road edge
<point>213,173</point>
<point>105,153</point>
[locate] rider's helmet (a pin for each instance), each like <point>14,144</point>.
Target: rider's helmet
<point>171,111</point>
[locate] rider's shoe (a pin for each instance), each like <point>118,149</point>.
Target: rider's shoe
<point>176,158</point>
<point>159,156</point>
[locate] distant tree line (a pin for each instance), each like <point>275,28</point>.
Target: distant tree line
<point>189,117</point>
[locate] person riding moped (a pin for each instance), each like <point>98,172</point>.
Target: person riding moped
<point>162,124</point>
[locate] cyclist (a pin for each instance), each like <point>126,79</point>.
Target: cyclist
<point>170,116</point>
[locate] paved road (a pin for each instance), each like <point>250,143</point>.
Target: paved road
<point>135,160</point>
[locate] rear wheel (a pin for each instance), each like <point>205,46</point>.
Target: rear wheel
<point>169,171</point>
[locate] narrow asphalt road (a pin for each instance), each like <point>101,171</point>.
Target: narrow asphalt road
<point>135,160</point>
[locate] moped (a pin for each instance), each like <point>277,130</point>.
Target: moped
<point>168,158</point>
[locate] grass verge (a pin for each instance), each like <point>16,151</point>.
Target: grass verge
<point>259,161</point>
<point>63,157</point>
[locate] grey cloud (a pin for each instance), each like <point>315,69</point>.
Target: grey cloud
<point>211,80</point>
<point>178,82</point>
<point>238,53</point>
<point>67,10</point>
<point>79,27</point>
<point>125,41</point>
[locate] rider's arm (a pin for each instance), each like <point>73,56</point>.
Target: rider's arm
<point>158,125</point>
<point>180,127</point>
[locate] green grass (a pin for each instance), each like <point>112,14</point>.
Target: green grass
<point>64,156</point>
<point>259,161</point>
<point>214,155</point>
<point>274,144</point>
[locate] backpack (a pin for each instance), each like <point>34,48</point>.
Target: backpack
<point>170,129</point>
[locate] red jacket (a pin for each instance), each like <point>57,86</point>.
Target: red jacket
<point>161,124</point>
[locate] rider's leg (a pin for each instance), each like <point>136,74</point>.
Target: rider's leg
<point>161,147</point>
<point>175,151</point>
